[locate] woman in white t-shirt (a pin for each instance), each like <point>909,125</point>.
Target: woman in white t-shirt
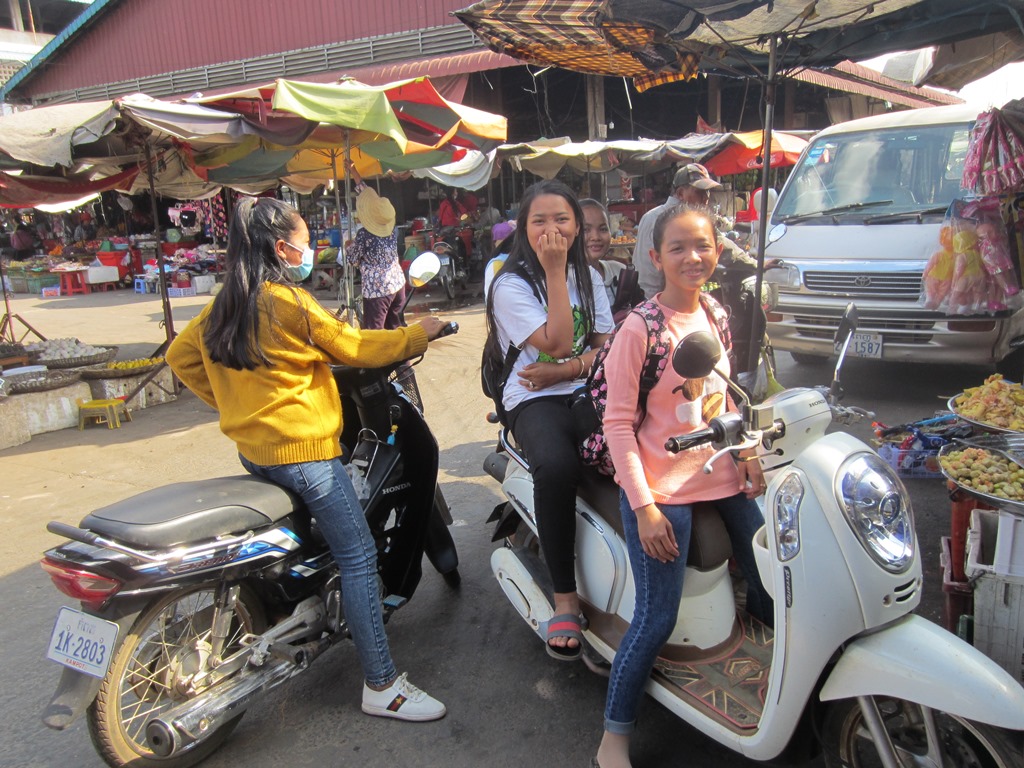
<point>549,303</point>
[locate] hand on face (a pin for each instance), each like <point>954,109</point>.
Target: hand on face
<point>551,229</point>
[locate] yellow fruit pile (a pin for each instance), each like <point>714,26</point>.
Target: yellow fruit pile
<point>142,362</point>
<point>985,472</point>
<point>997,402</point>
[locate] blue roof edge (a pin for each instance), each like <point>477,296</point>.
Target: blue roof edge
<point>51,47</point>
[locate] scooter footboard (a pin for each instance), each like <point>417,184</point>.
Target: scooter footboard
<point>916,660</point>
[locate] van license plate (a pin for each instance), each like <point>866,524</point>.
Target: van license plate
<point>82,642</point>
<point>864,345</point>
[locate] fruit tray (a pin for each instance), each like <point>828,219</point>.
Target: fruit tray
<point>983,425</point>
<point>103,372</point>
<point>1010,447</point>
<point>105,356</point>
<point>40,382</point>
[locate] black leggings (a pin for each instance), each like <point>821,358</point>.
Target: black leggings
<point>543,427</point>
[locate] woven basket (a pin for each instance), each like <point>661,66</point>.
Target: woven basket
<point>40,382</point>
<point>102,372</point>
<point>105,356</point>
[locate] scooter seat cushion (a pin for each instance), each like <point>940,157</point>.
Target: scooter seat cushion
<point>709,540</point>
<point>182,512</point>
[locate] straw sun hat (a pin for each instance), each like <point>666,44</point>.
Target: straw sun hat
<point>376,213</point>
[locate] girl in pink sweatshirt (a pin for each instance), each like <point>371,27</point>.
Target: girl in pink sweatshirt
<point>658,488</point>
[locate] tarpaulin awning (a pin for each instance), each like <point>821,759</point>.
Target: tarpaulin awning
<point>27,191</point>
<point>745,153</point>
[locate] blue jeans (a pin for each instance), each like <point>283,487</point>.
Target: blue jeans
<point>659,587</point>
<point>327,491</point>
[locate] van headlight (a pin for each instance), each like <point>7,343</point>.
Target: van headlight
<point>877,507</point>
<point>783,275</point>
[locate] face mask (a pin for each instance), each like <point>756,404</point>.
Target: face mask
<point>300,272</point>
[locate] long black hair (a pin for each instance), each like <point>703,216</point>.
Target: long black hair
<point>523,261</point>
<point>232,329</point>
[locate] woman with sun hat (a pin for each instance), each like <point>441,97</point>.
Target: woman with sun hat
<point>375,252</point>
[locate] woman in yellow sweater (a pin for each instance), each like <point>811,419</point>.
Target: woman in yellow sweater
<point>260,354</point>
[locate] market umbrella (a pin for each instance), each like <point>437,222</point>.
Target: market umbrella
<point>67,150</point>
<point>656,42</point>
<point>394,127</point>
<point>745,152</point>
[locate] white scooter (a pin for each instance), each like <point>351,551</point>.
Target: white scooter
<point>847,659</point>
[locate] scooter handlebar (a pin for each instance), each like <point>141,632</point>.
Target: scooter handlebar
<point>681,443</point>
<point>449,329</point>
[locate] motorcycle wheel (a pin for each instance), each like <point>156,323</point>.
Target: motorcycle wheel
<point>957,742</point>
<point>149,674</point>
<point>448,281</point>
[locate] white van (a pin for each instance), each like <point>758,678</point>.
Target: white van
<point>857,221</point>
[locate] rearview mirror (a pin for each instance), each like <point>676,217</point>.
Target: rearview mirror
<point>696,355</point>
<point>423,269</point>
<point>847,325</point>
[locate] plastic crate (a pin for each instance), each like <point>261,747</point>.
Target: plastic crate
<point>911,462</point>
<point>177,293</point>
<point>998,599</point>
<point>958,596</point>
<point>995,543</point>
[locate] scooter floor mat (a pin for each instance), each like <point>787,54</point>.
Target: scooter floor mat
<point>732,685</point>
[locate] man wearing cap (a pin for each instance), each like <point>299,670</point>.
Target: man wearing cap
<point>375,252</point>
<point>691,185</point>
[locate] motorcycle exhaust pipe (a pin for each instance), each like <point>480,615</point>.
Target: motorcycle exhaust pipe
<point>180,728</point>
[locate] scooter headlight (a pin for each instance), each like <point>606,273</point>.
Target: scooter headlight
<point>786,513</point>
<point>877,507</point>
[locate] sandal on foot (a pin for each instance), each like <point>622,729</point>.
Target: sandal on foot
<point>565,625</point>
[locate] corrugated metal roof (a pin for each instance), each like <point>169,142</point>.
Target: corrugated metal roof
<point>434,66</point>
<point>853,78</point>
<point>72,29</point>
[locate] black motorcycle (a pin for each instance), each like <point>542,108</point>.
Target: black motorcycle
<point>198,597</point>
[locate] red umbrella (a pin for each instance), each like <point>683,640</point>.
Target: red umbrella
<point>745,153</point>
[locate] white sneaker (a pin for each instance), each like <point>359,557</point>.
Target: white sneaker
<point>403,701</point>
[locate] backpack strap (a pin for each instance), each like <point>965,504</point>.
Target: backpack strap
<point>657,349</point>
<point>719,318</point>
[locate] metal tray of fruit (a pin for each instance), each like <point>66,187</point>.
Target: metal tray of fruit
<point>982,424</point>
<point>1010,447</point>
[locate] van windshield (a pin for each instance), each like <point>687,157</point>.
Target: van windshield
<point>873,173</point>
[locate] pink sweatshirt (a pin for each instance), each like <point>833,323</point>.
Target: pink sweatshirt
<point>643,468</point>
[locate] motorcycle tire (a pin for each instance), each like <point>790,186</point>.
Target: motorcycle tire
<point>958,742</point>
<point>448,281</point>
<point>142,679</point>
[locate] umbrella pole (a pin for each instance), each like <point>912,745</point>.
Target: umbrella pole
<point>161,274</point>
<point>757,325</point>
<point>345,294</point>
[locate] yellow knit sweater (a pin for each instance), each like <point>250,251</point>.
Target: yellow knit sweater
<point>290,411</point>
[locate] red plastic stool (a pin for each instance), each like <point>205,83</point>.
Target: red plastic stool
<point>73,282</point>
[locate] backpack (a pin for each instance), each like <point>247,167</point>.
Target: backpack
<point>590,401</point>
<point>493,377</point>
<point>494,373</point>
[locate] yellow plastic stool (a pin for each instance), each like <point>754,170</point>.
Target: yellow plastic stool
<point>107,412</point>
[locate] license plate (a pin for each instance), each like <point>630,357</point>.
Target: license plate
<point>864,345</point>
<point>82,642</point>
<point>444,260</point>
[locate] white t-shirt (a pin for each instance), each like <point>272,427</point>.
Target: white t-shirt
<point>518,314</point>
<point>612,269</point>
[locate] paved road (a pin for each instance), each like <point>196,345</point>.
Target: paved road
<point>509,704</point>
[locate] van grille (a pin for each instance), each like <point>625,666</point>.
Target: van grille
<point>908,331</point>
<point>887,285</point>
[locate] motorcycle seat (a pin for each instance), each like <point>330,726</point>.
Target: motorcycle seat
<point>710,545</point>
<point>182,512</point>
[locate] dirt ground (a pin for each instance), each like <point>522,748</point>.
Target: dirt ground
<point>63,475</point>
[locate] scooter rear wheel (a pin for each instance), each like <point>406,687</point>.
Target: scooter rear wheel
<point>448,281</point>
<point>956,741</point>
<point>149,675</point>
